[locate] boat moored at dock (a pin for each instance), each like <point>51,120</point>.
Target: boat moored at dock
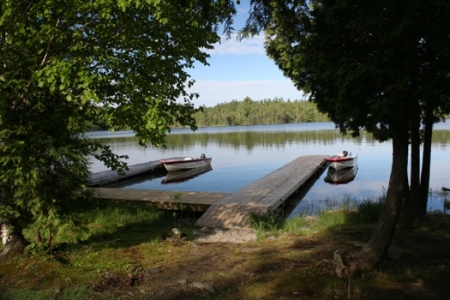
<point>342,160</point>
<point>185,163</point>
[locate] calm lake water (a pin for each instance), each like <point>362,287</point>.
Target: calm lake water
<point>242,154</point>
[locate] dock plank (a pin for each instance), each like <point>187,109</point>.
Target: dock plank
<point>189,201</point>
<point>261,196</point>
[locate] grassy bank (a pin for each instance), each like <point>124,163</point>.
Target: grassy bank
<point>131,254</point>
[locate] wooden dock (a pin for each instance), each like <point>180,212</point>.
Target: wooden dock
<point>171,200</point>
<point>262,196</point>
<point>110,177</point>
<point>224,210</point>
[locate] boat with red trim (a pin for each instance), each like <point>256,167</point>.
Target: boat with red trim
<point>342,160</point>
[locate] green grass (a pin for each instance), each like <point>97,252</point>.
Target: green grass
<point>347,212</point>
<point>130,242</point>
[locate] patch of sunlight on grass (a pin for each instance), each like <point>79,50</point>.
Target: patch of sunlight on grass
<point>107,259</point>
<point>110,218</point>
<point>346,212</point>
<point>257,290</point>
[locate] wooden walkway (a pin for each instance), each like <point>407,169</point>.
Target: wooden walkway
<point>262,196</point>
<point>110,177</point>
<point>171,200</point>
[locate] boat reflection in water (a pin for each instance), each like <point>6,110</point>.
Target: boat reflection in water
<point>341,176</point>
<point>185,175</point>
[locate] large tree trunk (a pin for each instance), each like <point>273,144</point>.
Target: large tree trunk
<point>373,252</point>
<point>12,239</point>
<point>426,161</point>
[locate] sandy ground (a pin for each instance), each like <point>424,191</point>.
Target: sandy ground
<point>209,235</point>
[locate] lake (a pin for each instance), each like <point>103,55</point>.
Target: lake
<point>243,154</point>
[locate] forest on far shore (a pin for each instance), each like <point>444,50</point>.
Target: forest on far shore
<point>251,112</point>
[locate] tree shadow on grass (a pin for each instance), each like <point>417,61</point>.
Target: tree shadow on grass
<point>416,265</point>
<point>290,266</point>
<point>120,226</point>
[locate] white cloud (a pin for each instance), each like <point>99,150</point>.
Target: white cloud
<point>233,46</point>
<point>214,92</point>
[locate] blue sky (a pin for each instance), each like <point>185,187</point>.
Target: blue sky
<point>240,69</point>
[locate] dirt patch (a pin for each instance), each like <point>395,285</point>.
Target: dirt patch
<point>218,262</point>
<point>116,281</point>
<point>210,235</point>
<point>232,264</point>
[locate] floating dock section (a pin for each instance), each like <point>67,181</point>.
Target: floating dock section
<point>262,196</point>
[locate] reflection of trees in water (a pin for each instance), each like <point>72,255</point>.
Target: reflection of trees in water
<point>251,139</point>
<point>441,136</point>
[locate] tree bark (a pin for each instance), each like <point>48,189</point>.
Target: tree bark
<point>13,240</point>
<point>375,249</point>
<point>4,232</point>
<point>426,161</point>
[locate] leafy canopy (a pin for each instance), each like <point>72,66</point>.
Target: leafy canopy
<point>70,65</point>
<point>361,61</point>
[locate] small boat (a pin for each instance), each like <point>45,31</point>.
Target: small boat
<point>184,163</point>
<point>342,160</point>
<point>341,176</point>
<point>185,175</point>
<point>446,189</point>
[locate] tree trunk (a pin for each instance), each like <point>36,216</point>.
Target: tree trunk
<point>12,238</point>
<point>375,249</point>
<point>426,161</point>
<point>4,232</point>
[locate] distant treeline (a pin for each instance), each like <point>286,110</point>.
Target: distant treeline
<point>267,111</point>
<point>252,112</point>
